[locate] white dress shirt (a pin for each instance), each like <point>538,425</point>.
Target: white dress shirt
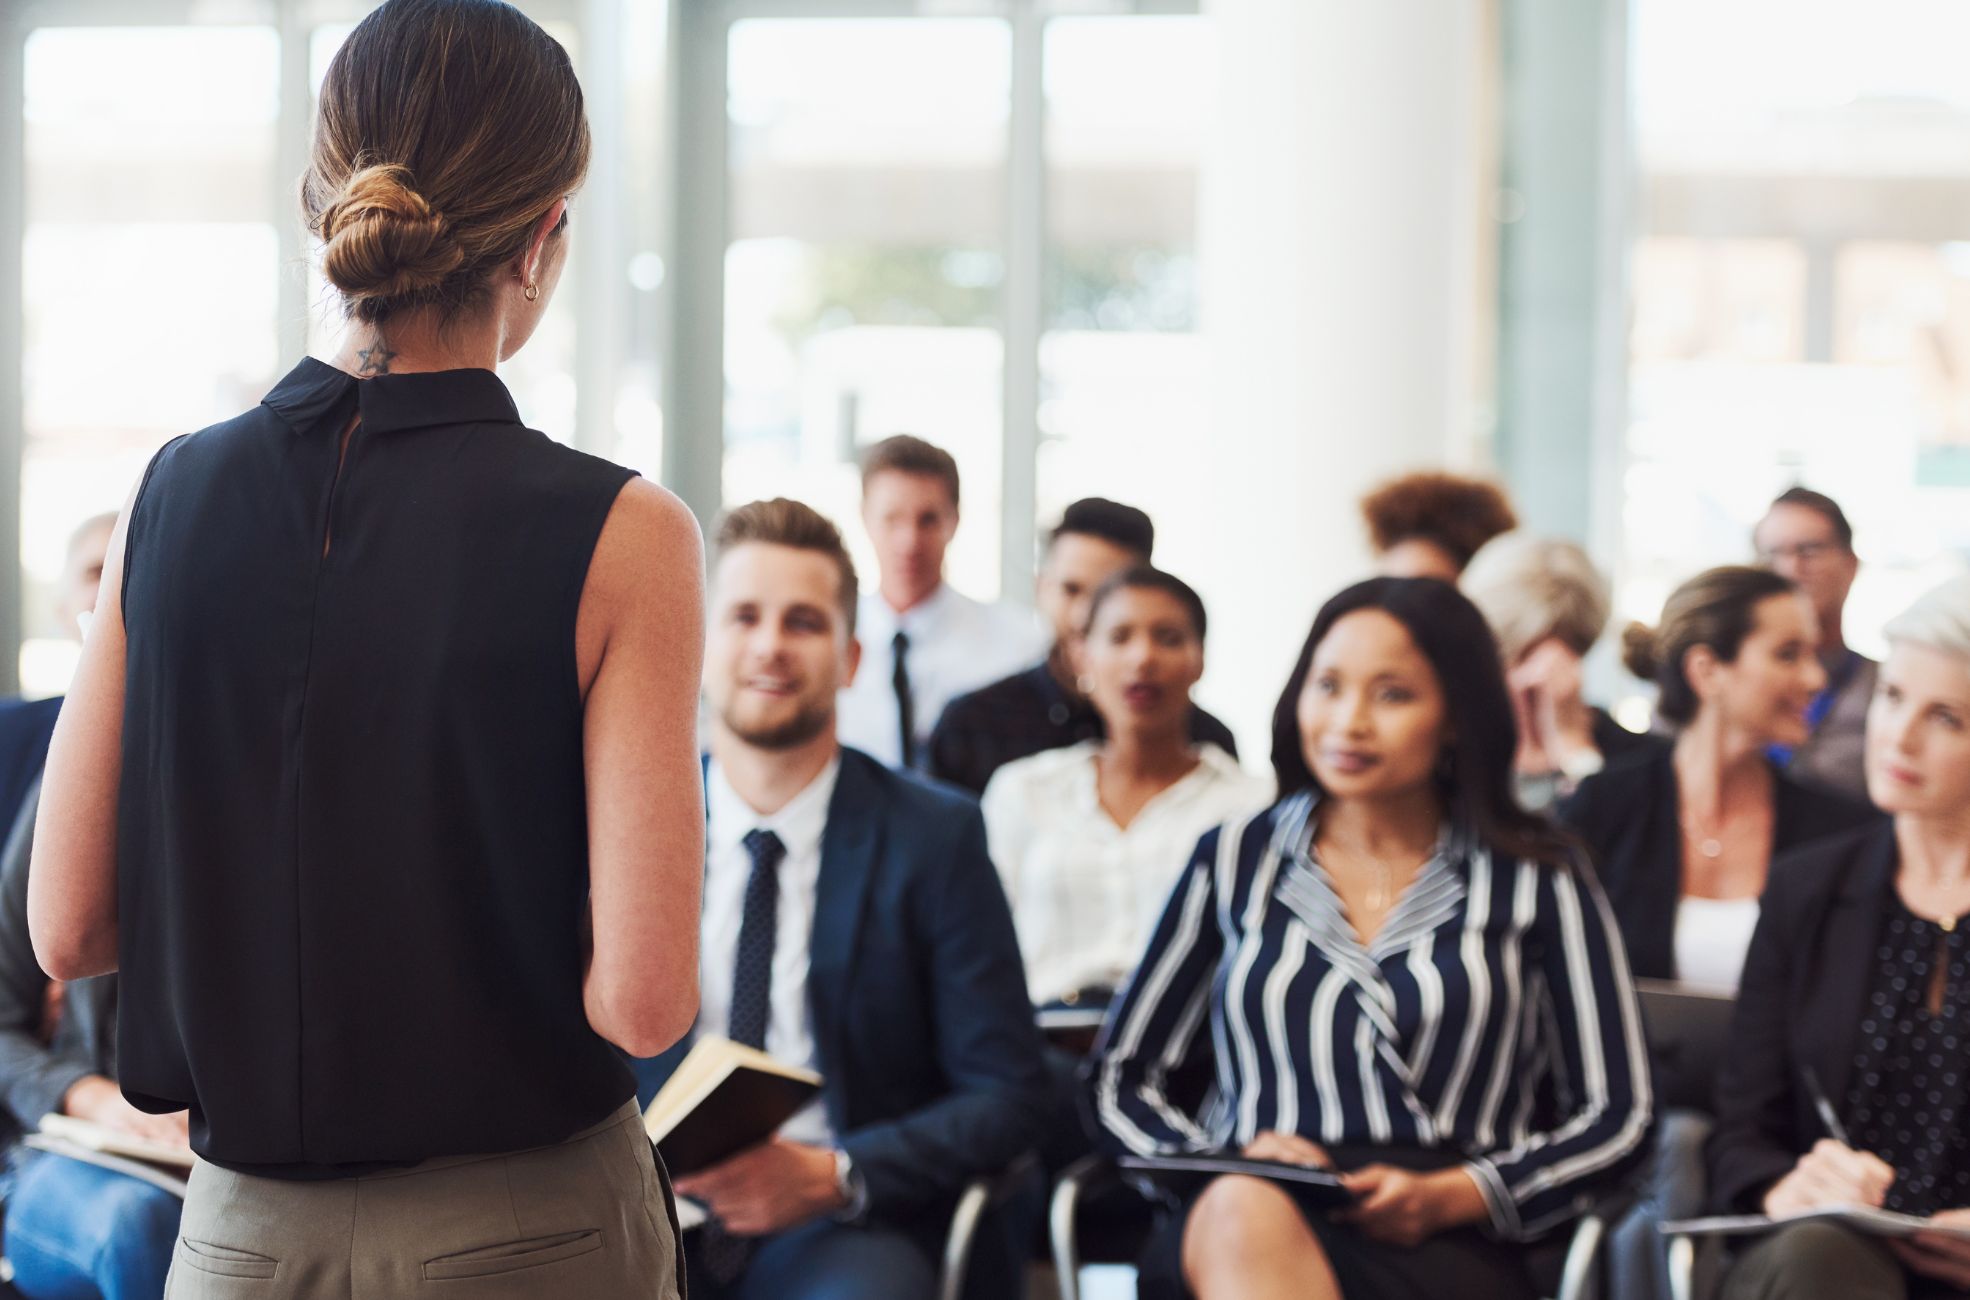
<point>957,644</point>
<point>1085,892</point>
<point>728,866</point>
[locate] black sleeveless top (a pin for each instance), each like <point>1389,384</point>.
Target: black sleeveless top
<point>352,837</point>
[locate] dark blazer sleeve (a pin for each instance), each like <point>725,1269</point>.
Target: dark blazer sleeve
<point>985,1041</point>
<point>952,756</point>
<point>1750,1148</point>
<point>1625,814</point>
<point>33,1078</point>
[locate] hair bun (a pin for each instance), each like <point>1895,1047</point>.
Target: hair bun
<point>383,240</point>
<point>1638,651</point>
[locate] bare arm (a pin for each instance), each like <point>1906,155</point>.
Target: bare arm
<point>71,883</point>
<point>640,644</point>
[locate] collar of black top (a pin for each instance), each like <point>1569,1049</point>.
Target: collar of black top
<point>314,390</point>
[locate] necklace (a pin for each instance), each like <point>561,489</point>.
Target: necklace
<point>1708,845</point>
<point>1381,885</point>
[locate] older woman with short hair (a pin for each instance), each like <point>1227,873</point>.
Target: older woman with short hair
<point>1548,604</point>
<point>1857,988</point>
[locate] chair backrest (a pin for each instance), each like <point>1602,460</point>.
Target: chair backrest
<point>1688,1029</point>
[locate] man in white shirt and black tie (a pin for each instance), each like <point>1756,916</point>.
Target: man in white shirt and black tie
<point>923,642</point>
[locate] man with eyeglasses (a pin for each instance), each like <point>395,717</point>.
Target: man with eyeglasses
<point>1805,538</point>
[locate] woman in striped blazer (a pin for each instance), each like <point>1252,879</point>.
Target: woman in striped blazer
<point>1399,973</point>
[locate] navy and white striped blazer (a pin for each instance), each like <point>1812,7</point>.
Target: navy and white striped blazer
<point>1492,1015</point>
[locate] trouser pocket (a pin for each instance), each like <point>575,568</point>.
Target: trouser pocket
<point>224,1261</point>
<point>512,1256</point>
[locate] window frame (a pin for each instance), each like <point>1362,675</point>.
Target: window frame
<point>700,192</point>
<point>601,300</point>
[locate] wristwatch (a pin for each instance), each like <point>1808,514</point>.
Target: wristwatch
<point>854,1193</point>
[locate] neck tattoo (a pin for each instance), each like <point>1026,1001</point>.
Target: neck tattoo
<point>376,360</point>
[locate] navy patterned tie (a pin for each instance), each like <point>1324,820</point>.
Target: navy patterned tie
<point>752,973</point>
<point>726,1256</point>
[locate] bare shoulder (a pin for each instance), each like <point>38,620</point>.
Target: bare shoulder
<point>650,538</point>
<point>646,514</point>
<point>646,578</point>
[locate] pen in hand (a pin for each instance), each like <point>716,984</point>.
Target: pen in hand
<point>1831,1121</point>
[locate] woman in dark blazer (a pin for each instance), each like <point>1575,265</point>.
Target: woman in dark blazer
<point>1683,835</point>
<point>1857,989</point>
<point>1701,820</point>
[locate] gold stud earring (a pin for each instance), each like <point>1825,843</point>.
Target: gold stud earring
<point>532,290</point>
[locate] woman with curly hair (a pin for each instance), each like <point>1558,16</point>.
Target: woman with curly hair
<point>1429,524</point>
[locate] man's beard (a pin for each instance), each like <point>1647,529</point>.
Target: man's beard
<point>812,720</point>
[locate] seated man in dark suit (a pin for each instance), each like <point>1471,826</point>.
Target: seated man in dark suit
<point>1044,707</point>
<point>854,925</point>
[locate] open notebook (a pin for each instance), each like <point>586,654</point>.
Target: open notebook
<point>1878,1223</point>
<point>78,1139</point>
<point>723,1099</point>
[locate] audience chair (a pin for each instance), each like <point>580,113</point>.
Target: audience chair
<point>1683,1252</point>
<point>980,1196</point>
<point>1565,1269</point>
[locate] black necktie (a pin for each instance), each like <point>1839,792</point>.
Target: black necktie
<point>906,712</point>
<point>726,1256</point>
<point>752,972</point>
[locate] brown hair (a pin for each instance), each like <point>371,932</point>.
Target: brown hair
<point>781,522</point>
<point>1820,504</point>
<point>904,454</point>
<point>447,130</point>
<point>1717,608</point>
<point>1459,514</point>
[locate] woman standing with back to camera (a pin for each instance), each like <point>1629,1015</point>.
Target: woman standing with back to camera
<point>378,782</point>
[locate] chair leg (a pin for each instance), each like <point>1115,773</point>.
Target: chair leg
<point>1060,1230</point>
<point>1682,1267</point>
<point>1583,1257</point>
<point>958,1242</point>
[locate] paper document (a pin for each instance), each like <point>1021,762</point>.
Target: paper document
<point>1861,1218</point>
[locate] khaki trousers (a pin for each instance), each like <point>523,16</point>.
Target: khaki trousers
<point>588,1219</point>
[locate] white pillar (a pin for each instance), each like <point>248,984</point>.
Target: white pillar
<point>1339,281</point>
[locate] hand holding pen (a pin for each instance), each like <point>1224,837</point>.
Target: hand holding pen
<point>1832,1173</point>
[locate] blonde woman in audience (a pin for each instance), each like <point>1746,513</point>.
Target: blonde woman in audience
<point>1401,976</point>
<point>1548,605</point>
<point>1847,1080</point>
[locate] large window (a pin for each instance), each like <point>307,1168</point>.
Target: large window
<point>150,263</point>
<point>1801,288</point>
<point>166,281</point>
<point>1127,102</point>
<point>973,223</point>
<point>864,275</point>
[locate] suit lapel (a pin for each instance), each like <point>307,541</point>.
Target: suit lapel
<point>1844,961</point>
<point>849,847</point>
